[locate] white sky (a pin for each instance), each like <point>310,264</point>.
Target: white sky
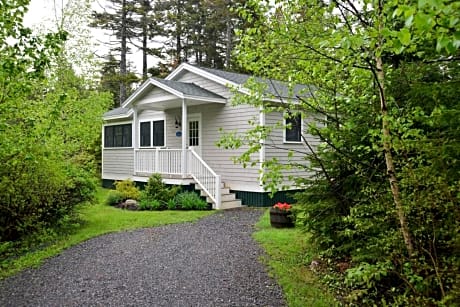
<point>41,15</point>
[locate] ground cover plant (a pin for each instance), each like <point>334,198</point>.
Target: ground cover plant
<point>94,220</point>
<point>289,255</point>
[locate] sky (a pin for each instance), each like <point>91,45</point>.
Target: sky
<point>41,15</point>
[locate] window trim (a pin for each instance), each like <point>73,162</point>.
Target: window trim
<point>151,120</point>
<point>301,128</point>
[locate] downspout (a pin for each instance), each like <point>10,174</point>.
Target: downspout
<point>184,139</point>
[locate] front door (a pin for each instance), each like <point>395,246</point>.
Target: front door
<point>194,132</point>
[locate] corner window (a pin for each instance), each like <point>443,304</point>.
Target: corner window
<point>293,130</point>
<point>118,136</point>
<point>152,133</point>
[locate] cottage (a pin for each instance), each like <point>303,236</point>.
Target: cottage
<point>171,126</point>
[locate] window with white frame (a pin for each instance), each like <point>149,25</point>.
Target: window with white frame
<point>293,128</point>
<point>118,135</point>
<point>152,133</point>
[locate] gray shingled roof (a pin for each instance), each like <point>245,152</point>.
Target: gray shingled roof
<point>274,87</point>
<point>117,112</point>
<point>188,88</point>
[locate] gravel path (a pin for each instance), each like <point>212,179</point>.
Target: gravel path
<point>213,262</point>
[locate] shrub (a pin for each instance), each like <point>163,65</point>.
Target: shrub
<point>128,189</point>
<point>114,198</point>
<point>190,201</point>
<point>151,204</point>
<point>156,189</point>
<point>172,204</point>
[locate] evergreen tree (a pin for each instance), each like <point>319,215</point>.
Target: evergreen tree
<point>118,18</point>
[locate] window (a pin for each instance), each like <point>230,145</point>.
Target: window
<point>158,133</point>
<point>145,134</point>
<point>194,133</point>
<point>118,136</point>
<point>293,128</point>
<point>152,133</point>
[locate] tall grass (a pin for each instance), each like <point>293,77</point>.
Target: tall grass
<point>94,220</point>
<point>289,256</point>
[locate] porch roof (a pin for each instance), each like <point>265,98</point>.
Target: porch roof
<point>188,89</point>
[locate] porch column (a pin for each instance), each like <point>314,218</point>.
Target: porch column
<point>134,139</point>
<point>184,138</point>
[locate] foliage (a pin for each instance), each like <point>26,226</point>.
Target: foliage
<point>190,201</point>
<point>127,188</point>
<point>151,204</point>
<point>158,190</point>
<point>382,96</point>
<point>94,220</point>
<point>49,123</point>
<point>114,197</point>
<point>288,255</point>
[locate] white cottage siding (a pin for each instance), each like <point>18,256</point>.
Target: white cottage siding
<point>153,95</point>
<point>117,162</point>
<point>230,118</point>
<point>146,115</point>
<point>173,141</point>
<point>207,84</point>
<point>276,148</point>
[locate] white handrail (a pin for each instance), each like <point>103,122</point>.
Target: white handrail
<point>205,177</point>
<point>169,161</point>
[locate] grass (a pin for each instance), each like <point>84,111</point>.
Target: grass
<point>96,220</point>
<point>289,257</point>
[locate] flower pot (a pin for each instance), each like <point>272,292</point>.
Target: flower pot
<point>281,218</point>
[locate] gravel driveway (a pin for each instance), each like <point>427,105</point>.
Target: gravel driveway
<point>213,262</point>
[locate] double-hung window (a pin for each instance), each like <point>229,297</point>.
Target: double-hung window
<point>152,133</point>
<point>118,135</point>
<point>293,128</point>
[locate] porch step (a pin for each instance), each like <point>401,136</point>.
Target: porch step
<point>228,200</point>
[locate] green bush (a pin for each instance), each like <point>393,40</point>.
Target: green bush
<point>128,189</point>
<point>114,198</point>
<point>190,201</point>
<point>171,204</point>
<point>151,204</point>
<point>156,189</point>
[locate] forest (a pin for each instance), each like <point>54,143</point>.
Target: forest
<point>381,208</point>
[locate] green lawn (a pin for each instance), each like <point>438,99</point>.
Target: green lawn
<point>289,258</point>
<point>96,220</point>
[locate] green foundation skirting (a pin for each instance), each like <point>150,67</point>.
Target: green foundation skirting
<point>250,199</point>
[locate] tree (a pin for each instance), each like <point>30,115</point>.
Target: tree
<point>352,53</point>
<point>199,31</point>
<point>118,18</point>
<point>49,119</point>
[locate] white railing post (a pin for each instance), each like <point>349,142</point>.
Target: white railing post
<point>218,192</point>
<point>156,161</point>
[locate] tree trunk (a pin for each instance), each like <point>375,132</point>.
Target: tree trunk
<point>228,50</point>
<point>123,71</point>
<point>391,171</point>
<point>145,11</point>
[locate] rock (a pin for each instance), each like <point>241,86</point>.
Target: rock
<point>129,204</point>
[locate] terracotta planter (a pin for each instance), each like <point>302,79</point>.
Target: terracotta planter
<point>280,218</point>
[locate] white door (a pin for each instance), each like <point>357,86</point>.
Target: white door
<point>194,132</point>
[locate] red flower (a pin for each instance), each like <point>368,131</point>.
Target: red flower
<point>282,206</point>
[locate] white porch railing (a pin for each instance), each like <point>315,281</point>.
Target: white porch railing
<point>169,161</point>
<point>162,161</point>
<point>206,178</point>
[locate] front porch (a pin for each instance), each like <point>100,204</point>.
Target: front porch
<point>178,166</point>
